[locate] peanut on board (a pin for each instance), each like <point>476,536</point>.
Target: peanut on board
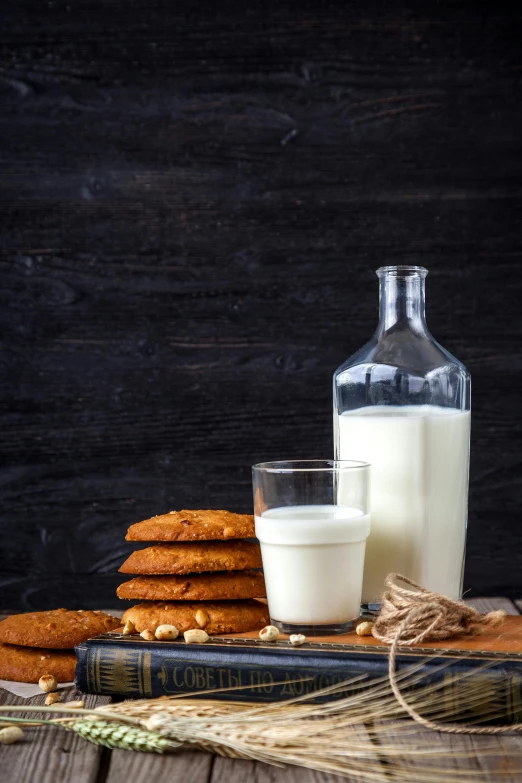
<point>269,633</point>
<point>364,629</point>
<point>297,639</point>
<point>196,636</point>
<point>166,632</point>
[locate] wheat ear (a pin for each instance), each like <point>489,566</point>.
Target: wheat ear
<point>121,735</point>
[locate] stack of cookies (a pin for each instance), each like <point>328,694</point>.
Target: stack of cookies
<point>198,574</point>
<point>42,643</point>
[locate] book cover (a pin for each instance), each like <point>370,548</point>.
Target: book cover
<point>242,667</point>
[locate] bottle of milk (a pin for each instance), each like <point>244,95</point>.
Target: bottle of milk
<point>402,403</point>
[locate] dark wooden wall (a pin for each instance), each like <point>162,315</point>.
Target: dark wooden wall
<point>194,197</point>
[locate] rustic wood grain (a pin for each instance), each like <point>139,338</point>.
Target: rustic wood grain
<point>234,771</point>
<point>187,766</point>
<point>47,754</point>
<point>193,204</point>
<point>467,758</point>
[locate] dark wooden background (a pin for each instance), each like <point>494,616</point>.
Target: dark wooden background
<point>194,197</point>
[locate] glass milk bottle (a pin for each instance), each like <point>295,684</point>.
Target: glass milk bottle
<point>402,403</point>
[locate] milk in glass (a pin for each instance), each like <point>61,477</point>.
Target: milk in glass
<point>313,557</point>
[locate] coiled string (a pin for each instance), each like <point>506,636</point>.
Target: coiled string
<point>411,617</point>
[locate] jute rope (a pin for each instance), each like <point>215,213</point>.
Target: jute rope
<point>415,616</point>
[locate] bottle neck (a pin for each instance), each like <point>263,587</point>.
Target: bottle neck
<point>401,302</point>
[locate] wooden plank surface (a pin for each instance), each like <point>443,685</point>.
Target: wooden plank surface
<point>233,771</point>
<point>48,754</point>
<point>192,767</point>
<point>465,758</point>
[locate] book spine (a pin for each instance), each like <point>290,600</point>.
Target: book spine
<point>134,672</point>
<point>138,671</point>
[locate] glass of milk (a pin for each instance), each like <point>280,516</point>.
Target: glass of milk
<point>312,547</point>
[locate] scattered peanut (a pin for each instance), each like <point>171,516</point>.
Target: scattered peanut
<point>10,735</point>
<point>53,697</point>
<point>47,683</point>
<point>196,636</point>
<point>364,629</point>
<point>75,704</point>
<point>202,618</point>
<point>166,632</point>
<point>269,633</point>
<point>297,639</point>
<point>147,635</point>
<point>128,628</point>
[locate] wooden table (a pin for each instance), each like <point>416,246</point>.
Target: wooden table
<point>49,755</point>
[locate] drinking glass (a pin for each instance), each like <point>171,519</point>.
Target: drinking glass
<point>312,546</point>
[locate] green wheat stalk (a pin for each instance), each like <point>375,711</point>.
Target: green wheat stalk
<point>121,735</point>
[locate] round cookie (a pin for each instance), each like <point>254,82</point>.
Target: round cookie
<point>187,558</point>
<point>27,664</point>
<point>219,586</point>
<point>57,629</point>
<point>193,526</point>
<point>218,617</point>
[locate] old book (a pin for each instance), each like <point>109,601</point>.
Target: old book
<point>242,667</point>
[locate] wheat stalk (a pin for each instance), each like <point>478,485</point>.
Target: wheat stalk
<point>350,735</point>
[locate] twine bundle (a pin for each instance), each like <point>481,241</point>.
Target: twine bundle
<point>419,615</point>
